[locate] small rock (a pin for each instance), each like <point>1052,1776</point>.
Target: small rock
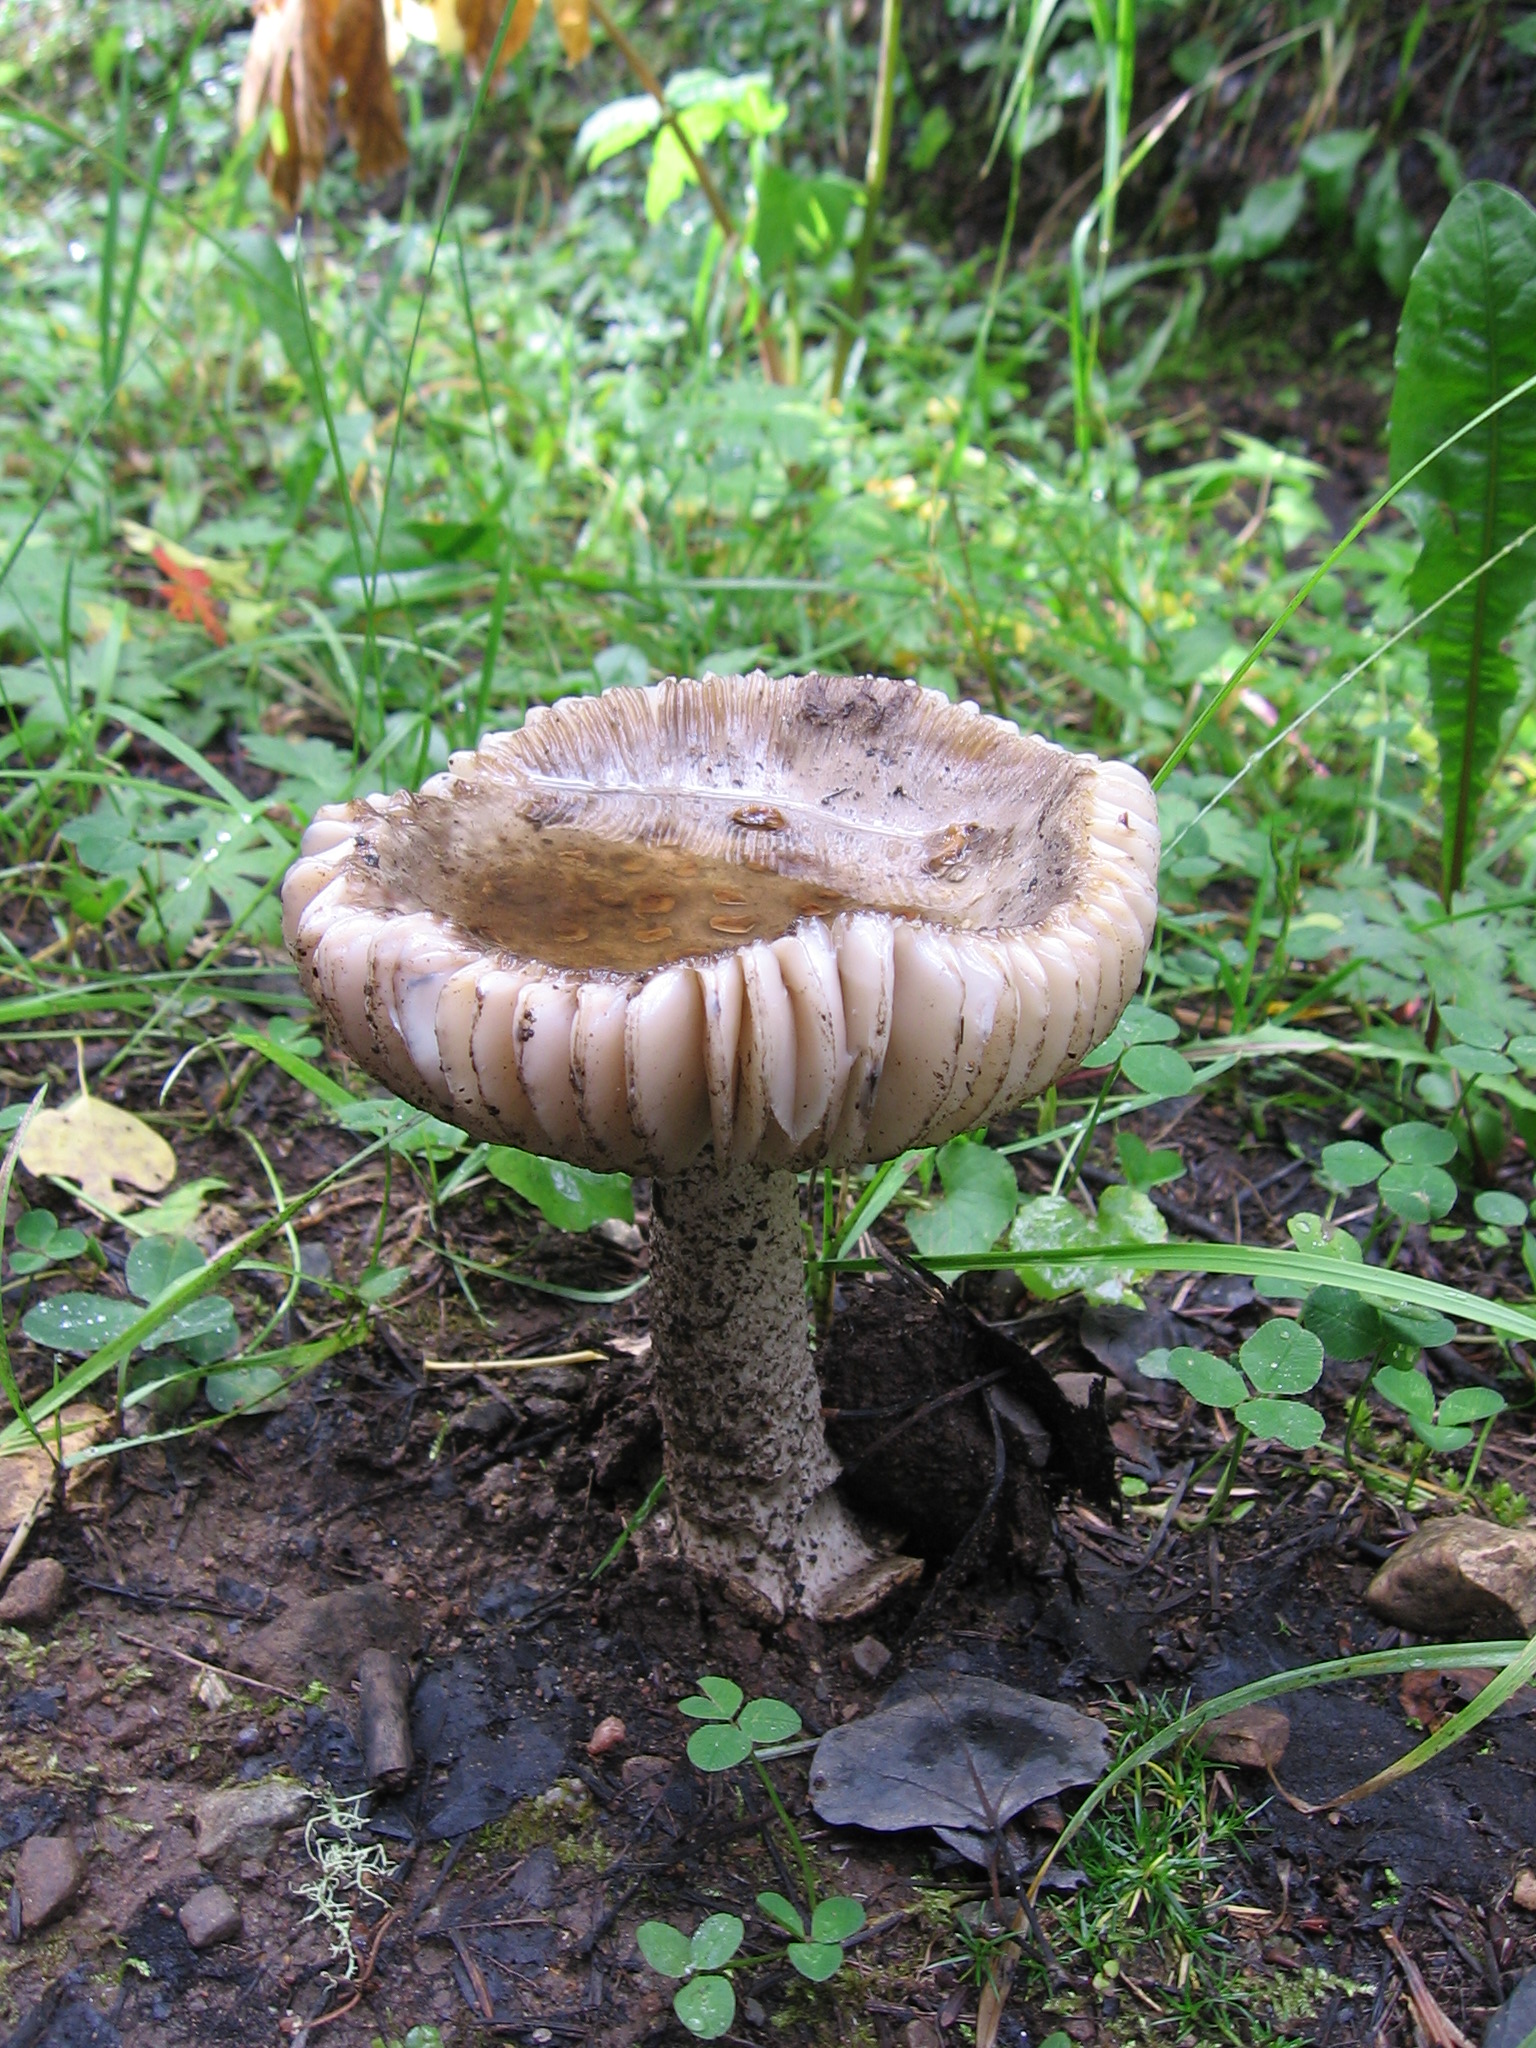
<point>1048,1815</point>
<point>243,1820</point>
<point>49,1873</point>
<point>625,1235</point>
<point>1460,1577</point>
<point>647,1775</point>
<point>324,1638</point>
<point>253,1871</point>
<point>1524,1893</point>
<point>35,1595</point>
<point>609,1733</point>
<point>1254,1738</point>
<point>920,2034</point>
<point>1514,2022</point>
<point>135,1724</point>
<point>499,1483</point>
<point>210,1691</point>
<point>1075,1386</point>
<point>211,1916</point>
<point>869,1657</point>
<point>488,1417</point>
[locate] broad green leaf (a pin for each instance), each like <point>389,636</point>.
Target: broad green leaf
<point>768,1721</point>
<point>1409,1391</point>
<point>800,220</point>
<point>1158,1070</point>
<point>718,1746</point>
<point>725,1692</point>
<point>1143,1167</point>
<point>980,1195</point>
<point>79,1324</point>
<point>1495,1205</point>
<point>706,2006</point>
<point>1469,1027</point>
<point>1140,1024</point>
<point>1292,1423</point>
<point>264,280</point>
<point>817,1960</point>
<point>569,1197</point>
<point>248,1387</point>
<point>36,1230</point>
<point>1349,1327</point>
<point>1351,1164</point>
<point>1209,1378</point>
<point>1261,223</point>
<point>615,128</point>
<point>1423,1328</point>
<point>1310,1233</point>
<point>775,1907</point>
<point>1049,1223</point>
<point>204,1330</point>
<point>1330,162</point>
<point>1386,232</point>
<point>1468,336</point>
<point>1470,1404</point>
<point>715,1941</point>
<point>836,1919</point>
<point>666,1950</point>
<point>1473,1059</point>
<point>1417,1194</point>
<point>1282,1358</point>
<point>156,1263</point>
<point>1419,1144</point>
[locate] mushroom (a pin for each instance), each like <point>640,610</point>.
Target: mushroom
<point>720,932</point>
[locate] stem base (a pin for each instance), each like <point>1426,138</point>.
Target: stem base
<point>750,1474</point>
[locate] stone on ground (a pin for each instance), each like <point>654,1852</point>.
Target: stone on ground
<point>1460,1577</point>
<point>35,1595</point>
<point>49,1874</point>
<point>210,1916</point>
<point>242,1822</point>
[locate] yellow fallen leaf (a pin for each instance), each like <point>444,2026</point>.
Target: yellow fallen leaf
<point>99,1147</point>
<point>230,579</point>
<point>26,1476</point>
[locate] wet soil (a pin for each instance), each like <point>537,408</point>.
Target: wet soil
<point>460,1519</point>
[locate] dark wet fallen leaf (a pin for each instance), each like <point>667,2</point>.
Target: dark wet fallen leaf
<point>953,1752</point>
<point>21,1818</point>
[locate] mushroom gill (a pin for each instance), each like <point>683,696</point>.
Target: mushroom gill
<point>789,921</point>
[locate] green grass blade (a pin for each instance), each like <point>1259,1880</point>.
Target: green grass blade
<point>151,197</point>
<point>1505,1657</point>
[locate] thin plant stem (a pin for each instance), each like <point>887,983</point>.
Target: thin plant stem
<point>652,84</point>
<point>875,167</point>
<point>807,1876</point>
<point>1229,1473</point>
<point>1069,1169</point>
<point>1477,1455</point>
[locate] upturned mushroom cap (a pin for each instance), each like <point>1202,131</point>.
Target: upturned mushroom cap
<point>799,920</point>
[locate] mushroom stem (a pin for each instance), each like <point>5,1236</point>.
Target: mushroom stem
<point>749,1468</point>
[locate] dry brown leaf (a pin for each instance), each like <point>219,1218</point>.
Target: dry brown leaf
<point>101,1148</point>
<point>368,111</point>
<point>994,1993</point>
<point>574,28</point>
<point>301,51</point>
<point>26,1477</point>
<point>477,22</point>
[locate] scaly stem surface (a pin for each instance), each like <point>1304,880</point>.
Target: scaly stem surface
<point>750,1474</point>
